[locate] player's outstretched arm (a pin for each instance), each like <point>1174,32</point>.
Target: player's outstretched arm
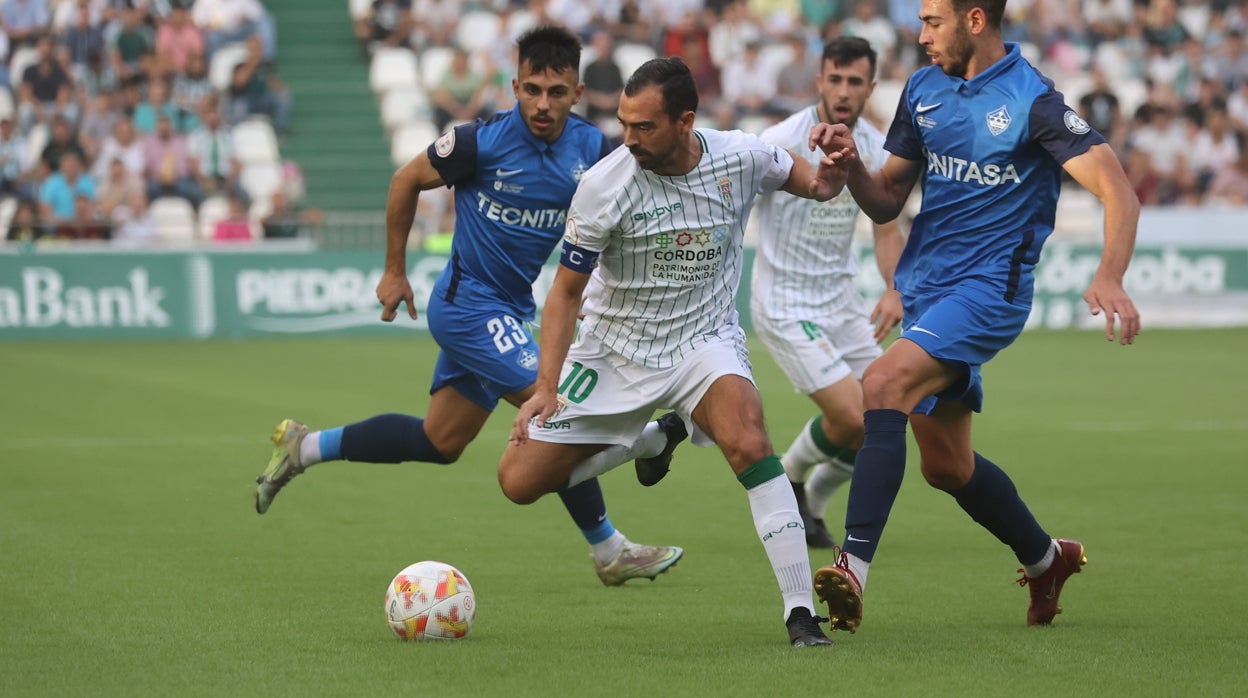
<point>1099,171</point>
<point>563,304</point>
<point>405,186</point>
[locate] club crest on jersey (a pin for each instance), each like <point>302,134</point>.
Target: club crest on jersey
<point>1075,124</point>
<point>725,190</point>
<point>445,144</point>
<point>998,120</point>
<point>527,360</point>
<point>579,169</point>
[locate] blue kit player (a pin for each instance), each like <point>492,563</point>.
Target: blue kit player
<point>513,175</point>
<point>989,137</point>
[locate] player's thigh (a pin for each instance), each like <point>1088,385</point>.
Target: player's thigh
<point>903,376</point>
<point>487,352</point>
<point>804,350</point>
<point>944,440</point>
<point>731,414</point>
<point>529,470</point>
<point>841,404</point>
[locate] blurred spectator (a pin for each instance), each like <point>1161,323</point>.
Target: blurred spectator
<point>25,226</point>
<point>1163,137</point>
<point>633,23</point>
<point>256,89</point>
<point>25,21</point>
<point>776,17</point>
<point>576,15</point>
<point>1230,182</point>
<point>388,23</point>
<point>230,21</point>
<point>1229,61</point>
<point>727,39</point>
<point>158,104</point>
<point>867,23</point>
<point>1107,20</point>
<point>816,13</point>
<point>603,81</point>
<point>459,95</point>
<point>191,86</point>
<point>96,76</point>
<point>85,224</point>
<point>46,89</point>
<point>236,225</point>
<point>435,21</point>
<point>705,74</point>
<point>6,81</point>
<point>213,162</point>
<point>60,191</point>
<point>65,13</point>
<point>167,164</point>
<point>795,85</point>
<point>752,84</point>
<point>1162,27</point>
<point>124,145</point>
<point>120,187</point>
<point>1100,108</point>
<point>1214,147</point>
<point>63,140</point>
<point>132,52</point>
<point>177,39</point>
<point>286,220</point>
<point>81,39</point>
<point>97,123</point>
<point>15,160</point>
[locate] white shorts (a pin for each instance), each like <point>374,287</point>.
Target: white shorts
<point>819,351</point>
<point>608,399</point>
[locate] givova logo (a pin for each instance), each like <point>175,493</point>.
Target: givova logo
<point>43,299</point>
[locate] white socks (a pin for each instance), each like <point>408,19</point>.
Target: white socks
<point>649,444</point>
<point>1044,564</point>
<point>310,449</point>
<point>606,550</point>
<point>774,508</point>
<point>859,567</point>
<point>802,454</point>
<point>826,479</point>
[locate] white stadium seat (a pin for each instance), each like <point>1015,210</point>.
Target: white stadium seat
<point>409,140</point>
<point>392,68</point>
<point>6,104</point>
<point>434,62</point>
<point>478,31</point>
<point>174,218</point>
<point>630,57</point>
<point>213,209</point>
<point>404,105</point>
<point>254,141</point>
<point>261,179</point>
<point>221,69</point>
<point>359,9</point>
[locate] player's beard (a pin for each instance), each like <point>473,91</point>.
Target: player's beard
<point>829,116</point>
<point>956,58</point>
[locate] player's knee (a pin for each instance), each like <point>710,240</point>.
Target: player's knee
<point>744,449</point>
<point>881,387</point>
<point>516,486</point>
<point>944,475</point>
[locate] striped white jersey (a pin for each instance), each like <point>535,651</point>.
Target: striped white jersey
<point>805,266</point>
<point>671,248</point>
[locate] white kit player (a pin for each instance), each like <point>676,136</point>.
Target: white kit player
<point>659,225</point>
<point>804,303</point>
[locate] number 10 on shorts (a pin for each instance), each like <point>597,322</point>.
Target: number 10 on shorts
<point>579,383</point>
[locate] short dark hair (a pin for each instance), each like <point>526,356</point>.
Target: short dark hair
<point>550,47</point>
<point>844,50</point>
<point>994,10</point>
<point>674,79</point>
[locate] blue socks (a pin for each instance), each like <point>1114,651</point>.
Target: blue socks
<point>386,438</point>
<point>584,502</point>
<point>993,502</point>
<point>878,471</point>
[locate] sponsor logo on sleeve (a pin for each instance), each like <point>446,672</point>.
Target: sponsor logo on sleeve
<point>1075,123</point>
<point>445,144</point>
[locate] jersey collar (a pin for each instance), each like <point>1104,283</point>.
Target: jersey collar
<point>1012,56</point>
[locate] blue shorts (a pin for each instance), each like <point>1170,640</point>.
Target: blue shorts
<point>964,328</point>
<point>486,351</point>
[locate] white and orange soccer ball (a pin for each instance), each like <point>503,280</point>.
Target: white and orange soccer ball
<point>430,600</point>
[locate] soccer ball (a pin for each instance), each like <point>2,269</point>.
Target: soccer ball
<point>430,601</point>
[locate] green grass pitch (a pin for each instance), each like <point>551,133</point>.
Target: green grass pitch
<point>134,565</point>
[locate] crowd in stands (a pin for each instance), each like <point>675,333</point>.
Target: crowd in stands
<point>1165,80</point>
<point>117,116</point>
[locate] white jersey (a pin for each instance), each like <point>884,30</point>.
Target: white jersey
<point>671,248</point>
<point>805,265</point>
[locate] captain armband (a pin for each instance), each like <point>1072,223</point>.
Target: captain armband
<point>578,258</point>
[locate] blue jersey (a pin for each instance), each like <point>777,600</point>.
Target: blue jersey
<point>512,192</point>
<point>993,148</point>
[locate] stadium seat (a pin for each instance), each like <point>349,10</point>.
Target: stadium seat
<point>221,68</point>
<point>775,57</point>
<point>8,207</point>
<point>359,9</point>
<point>261,179</point>
<point>519,22</point>
<point>630,57</point>
<point>213,209</point>
<point>404,105</point>
<point>36,140</point>
<point>254,141</point>
<point>6,104</point>
<point>392,68</point>
<point>478,31</point>
<point>409,140</point>
<point>174,218</point>
<point>884,101</point>
<point>434,62</point>
<point>21,59</point>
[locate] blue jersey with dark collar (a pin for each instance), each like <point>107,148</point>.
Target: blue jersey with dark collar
<point>512,192</point>
<point>993,148</point>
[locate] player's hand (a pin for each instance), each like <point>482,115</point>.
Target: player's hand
<point>830,138</point>
<point>543,405</point>
<point>1107,296</point>
<point>392,290</point>
<point>887,314</point>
